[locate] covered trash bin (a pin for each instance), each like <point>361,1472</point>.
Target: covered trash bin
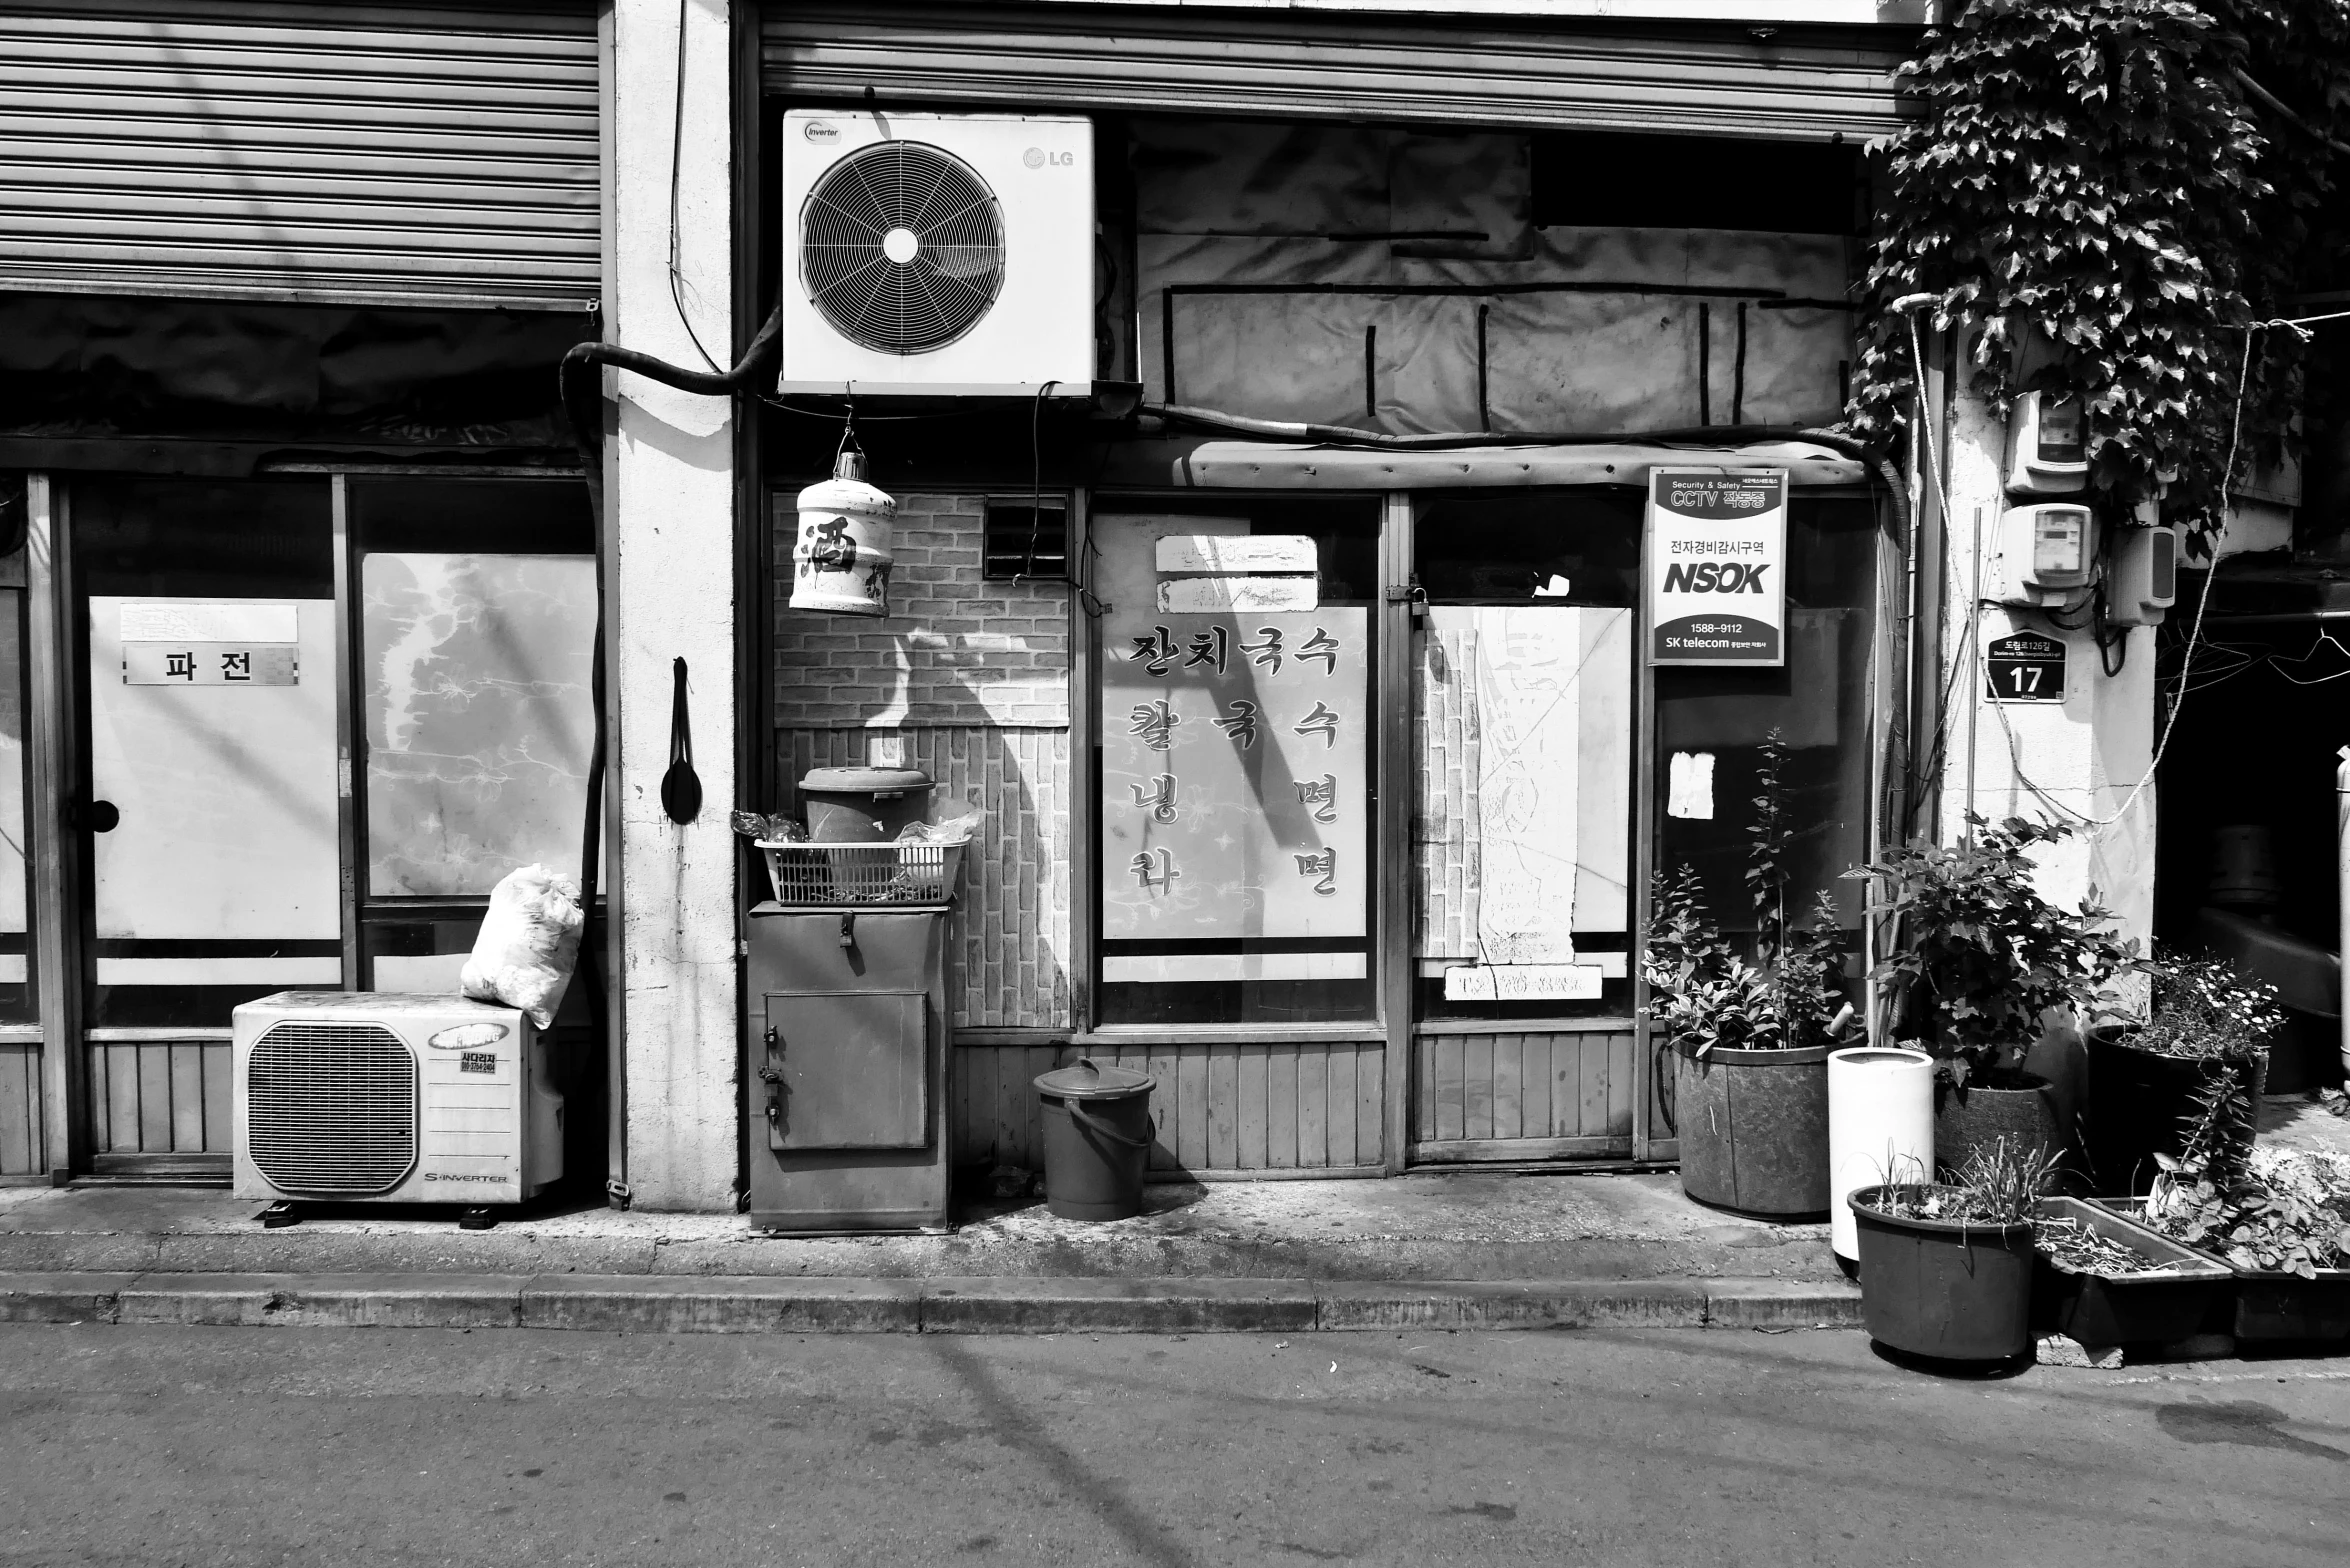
<point>1097,1138</point>
<point>850,805</point>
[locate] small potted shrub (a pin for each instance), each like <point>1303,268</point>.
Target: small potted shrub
<point>1981,961</point>
<point>1749,1033</point>
<point>1946,1267</point>
<point>2146,1082</point>
<point>2279,1217</point>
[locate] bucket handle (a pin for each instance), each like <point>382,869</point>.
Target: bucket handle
<point>1092,1123</point>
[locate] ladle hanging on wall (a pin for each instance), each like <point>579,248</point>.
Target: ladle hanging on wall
<point>681,787</point>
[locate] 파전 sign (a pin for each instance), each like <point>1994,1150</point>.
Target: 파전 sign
<point>1717,566</point>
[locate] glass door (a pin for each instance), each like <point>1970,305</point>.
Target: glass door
<point>212,813</point>
<point>1522,766</point>
<point>231,852</point>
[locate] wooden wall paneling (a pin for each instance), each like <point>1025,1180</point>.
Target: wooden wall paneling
<point>101,1140</point>
<point>186,1071</point>
<point>1623,1081</point>
<point>1375,1117</point>
<point>1423,1090</point>
<point>1450,1106</point>
<point>1313,1103</point>
<point>1564,1061</point>
<point>1180,1101</point>
<point>122,1097</point>
<point>1223,1107</point>
<point>1534,1056</point>
<point>20,1107</point>
<point>154,1099</point>
<point>1593,1065</point>
<point>1282,1094</point>
<point>1502,1100</point>
<point>1338,1121</point>
<point>1248,1115</point>
<point>1477,1052</point>
<point>219,1105</point>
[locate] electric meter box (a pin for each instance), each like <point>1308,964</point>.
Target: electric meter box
<point>2145,581</point>
<point>2047,445</point>
<point>2043,556</point>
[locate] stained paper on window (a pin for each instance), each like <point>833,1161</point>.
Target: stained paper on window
<point>1235,776</point>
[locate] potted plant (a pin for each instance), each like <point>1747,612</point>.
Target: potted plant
<point>1750,1033</point>
<point>1946,1267</point>
<point>2279,1217</point>
<point>1983,959</point>
<point>2106,1280</point>
<point>2147,1081</point>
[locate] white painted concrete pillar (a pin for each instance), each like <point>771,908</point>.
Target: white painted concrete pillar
<point>2075,760</point>
<point>670,510</point>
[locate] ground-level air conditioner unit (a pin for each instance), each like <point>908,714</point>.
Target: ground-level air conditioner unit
<point>353,1096</point>
<point>937,254</point>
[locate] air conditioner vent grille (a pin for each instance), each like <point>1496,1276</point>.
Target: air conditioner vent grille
<point>902,247</point>
<point>331,1108</point>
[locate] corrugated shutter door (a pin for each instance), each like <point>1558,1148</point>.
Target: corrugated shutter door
<point>1804,84</point>
<point>377,154</point>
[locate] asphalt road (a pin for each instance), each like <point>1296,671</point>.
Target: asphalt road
<point>159,1446</point>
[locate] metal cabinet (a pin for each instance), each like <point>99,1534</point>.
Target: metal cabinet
<point>845,1094</point>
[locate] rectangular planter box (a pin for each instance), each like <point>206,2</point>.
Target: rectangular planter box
<point>2128,1309</point>
<point>2271,1305</point>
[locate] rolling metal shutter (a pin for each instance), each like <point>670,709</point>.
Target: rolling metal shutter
<point>1803,84</point>
<point>380,154</point>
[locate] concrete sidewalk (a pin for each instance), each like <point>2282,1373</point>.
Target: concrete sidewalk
<point>1449,1251</point>
<point>1470,1226</point>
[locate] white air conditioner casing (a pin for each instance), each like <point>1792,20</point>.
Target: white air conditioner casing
<point>993,297</point>
<point>382,1097</point>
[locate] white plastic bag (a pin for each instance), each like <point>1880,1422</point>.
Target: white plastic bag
<point>528,945</point>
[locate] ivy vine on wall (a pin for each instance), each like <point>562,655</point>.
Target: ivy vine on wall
<point>2100,196</point>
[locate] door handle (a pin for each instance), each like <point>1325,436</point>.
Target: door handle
<point>93,816</point>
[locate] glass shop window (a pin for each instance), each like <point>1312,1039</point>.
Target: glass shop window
<point>1712,725</point>
<point>1522,728</point>
<point>476,622</point>
<point>17,1003</point>
<point>1237,729</point>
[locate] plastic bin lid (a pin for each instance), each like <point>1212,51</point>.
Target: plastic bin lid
<point>864,781</point>
<point>1086,1081</point>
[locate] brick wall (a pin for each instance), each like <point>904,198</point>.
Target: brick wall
<point>1012,930</point>
<point>970,679</point>
<point>954,649</point>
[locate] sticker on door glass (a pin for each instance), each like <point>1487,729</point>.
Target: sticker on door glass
<point>211,664</point>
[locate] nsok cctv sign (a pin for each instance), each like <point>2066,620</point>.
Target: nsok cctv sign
<point>1716,566</point>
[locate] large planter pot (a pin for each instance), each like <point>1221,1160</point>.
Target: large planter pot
<point>1976,1117</point>
<point>2273,1306</point>
<point>1943,1290</point>
<point>2168,1300</point>
<point>2139,1102</point>
<point>1753,1127</point>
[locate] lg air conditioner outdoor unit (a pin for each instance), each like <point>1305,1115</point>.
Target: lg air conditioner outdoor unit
<point>353,1096</point>
<point>937,254</point>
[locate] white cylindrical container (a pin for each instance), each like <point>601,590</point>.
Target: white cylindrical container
<point>841,560</point>
<point>1880,1128</point>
